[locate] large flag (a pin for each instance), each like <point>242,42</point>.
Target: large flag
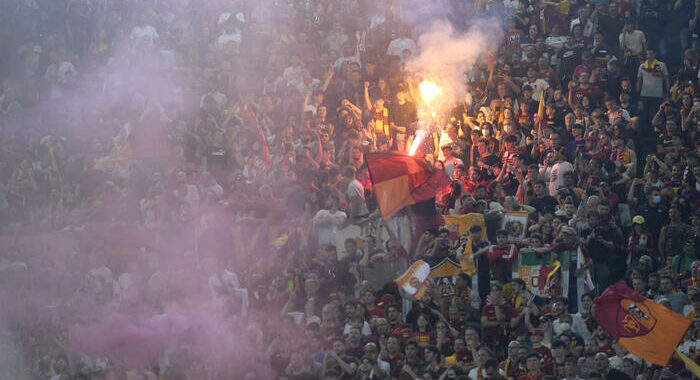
<point>400,180</point>
<point>640,325</point>
<point>415,280</point>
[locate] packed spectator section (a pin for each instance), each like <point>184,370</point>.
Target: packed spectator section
<point>184,192</point>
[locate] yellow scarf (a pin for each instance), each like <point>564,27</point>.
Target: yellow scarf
<point>557,266</point>
<point>379,122</point>
<point>468,266</point>
<point>651,66</point>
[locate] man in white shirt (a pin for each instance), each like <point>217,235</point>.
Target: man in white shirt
<point>632,40</point>
<point>539,85</point>
<point>350,54</point>
<point>583,19</point>
<point>652,83</point>
<point>356,194</point>
<point>327,222</point>
<point>652,77</point>
<point>554,170</point>
<point>403,42</point>
<point>451,162</point>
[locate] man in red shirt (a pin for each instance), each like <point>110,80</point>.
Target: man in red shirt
<point>501,257</point>
<point>393,316</point>
<point>513,37</point>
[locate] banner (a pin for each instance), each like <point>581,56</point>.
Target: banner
<point>400,225</point>
<point>543,277</point>
<point>462,223</point>
<point>444,271</point>
<point>640,325</point>
<point>515,223</point>
<point>416,280</point>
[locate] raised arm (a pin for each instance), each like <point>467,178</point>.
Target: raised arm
<point>368,101</point>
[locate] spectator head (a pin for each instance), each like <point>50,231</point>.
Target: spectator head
<point>601,362</point>
<point>339,347</point>
<point>650,55</point>
<point>392,344</point>
<point>501,237</point>
<point>432,353</point>
<point>491,368</point>
<point>666,285</point>
<point>540,189</point>
<point>411,349</point>
<point>471,334</point>
<point>480,192</point>
<point>533,362</point>
<point>653,194</point>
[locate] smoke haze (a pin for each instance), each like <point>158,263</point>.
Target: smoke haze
<point>125,277</point>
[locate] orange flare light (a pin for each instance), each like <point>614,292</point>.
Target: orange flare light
<point>429,90</point>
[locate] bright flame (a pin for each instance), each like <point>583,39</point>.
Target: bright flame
<point>429,90</point>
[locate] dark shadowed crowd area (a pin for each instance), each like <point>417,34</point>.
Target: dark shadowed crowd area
<point>184,193</point>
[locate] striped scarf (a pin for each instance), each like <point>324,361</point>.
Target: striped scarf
<point>651,66</point>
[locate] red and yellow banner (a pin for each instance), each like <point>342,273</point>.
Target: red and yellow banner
<point>640,325</point>
<point>415,280</point>
<point>400,180</point>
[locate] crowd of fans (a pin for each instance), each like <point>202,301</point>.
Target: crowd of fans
<point>171,123</point>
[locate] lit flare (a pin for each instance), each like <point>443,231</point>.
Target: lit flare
<point>429,90</point>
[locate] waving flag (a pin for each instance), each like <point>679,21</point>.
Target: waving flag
<point>259,161</point>
<point>541,117</point>
<point>640,325</point>
<point>415,280</point>
<point>400,180</point>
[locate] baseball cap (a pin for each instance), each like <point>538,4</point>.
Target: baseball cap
<point>638,220</point>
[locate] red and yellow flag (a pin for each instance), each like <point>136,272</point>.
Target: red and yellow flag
<point>541,118</point>
<point>400,180</point>
<point>415,280</point>
<point>640,325</point>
